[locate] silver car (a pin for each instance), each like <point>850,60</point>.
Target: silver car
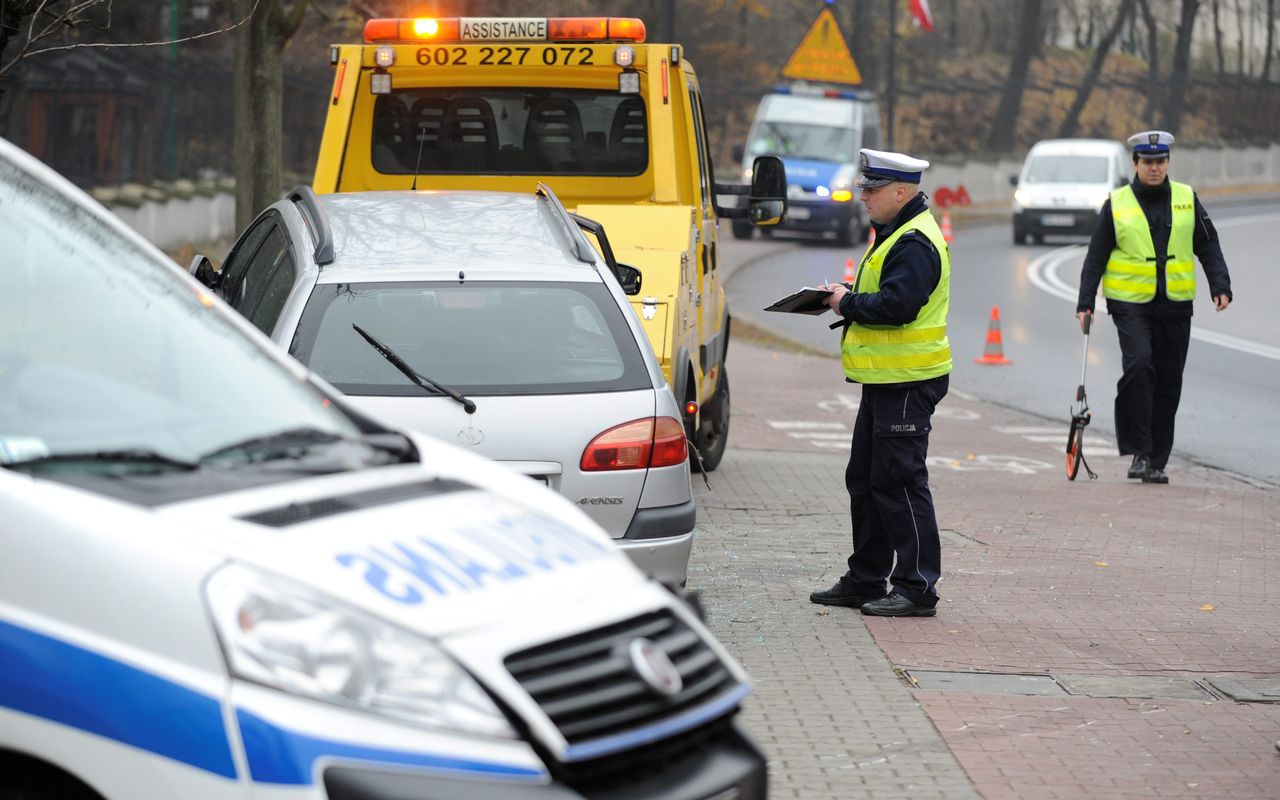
<point>487,319</point>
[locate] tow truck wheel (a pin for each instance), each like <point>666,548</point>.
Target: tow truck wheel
<point>713,436</point>
<point>741,229</point>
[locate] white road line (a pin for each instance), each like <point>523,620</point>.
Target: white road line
<point>842,437</point>
<point>1043,274</point>
<point>789,424</point>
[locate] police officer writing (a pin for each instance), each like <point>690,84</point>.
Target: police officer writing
<point>1141,253</point>
<point>895,345</point>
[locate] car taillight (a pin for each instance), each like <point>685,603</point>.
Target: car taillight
<point>650,442</point>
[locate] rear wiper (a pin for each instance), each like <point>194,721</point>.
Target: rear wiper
<point>274,445</point>
<point>133,456</point>
<point>409,372</point>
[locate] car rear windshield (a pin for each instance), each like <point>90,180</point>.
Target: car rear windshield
<point>1067,169</point>
<point>493,131</point>
<point>482,338</point>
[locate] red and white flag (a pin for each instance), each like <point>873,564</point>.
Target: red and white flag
<point>922,13</point>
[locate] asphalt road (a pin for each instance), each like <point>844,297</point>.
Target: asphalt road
<point>1227,418</point>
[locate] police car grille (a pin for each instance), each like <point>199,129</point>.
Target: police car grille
<point>294,513</point>
<point>588,687</point>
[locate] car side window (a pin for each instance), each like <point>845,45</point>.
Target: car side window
<point>274,292</point>
<point>245,294</point>
<point>233,268</point>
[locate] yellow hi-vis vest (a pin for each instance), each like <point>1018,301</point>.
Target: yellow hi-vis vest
<point>900,353</point>
<point>1131,269</point>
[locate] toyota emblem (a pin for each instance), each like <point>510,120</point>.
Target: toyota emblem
<point>654,667</point>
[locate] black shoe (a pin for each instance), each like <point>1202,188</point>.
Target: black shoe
<point>842,595</point>
<point>1141,466</point>
<point>897,605</point>
<point>1155,475</point>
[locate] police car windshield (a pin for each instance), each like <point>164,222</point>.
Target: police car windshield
<point>1067,169</point>
<point>104,351</point>
<point>810,142</point>
<point>480,130</point>
<point>478,338</point>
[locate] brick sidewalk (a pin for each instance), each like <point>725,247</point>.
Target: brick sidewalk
<point>1090,641</point>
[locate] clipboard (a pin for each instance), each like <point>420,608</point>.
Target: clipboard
<point>806,301</point>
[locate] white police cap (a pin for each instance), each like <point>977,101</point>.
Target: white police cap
<point>880,167</point>
<point>1151,144</point>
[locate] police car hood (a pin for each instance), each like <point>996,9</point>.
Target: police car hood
<point>437,549</point>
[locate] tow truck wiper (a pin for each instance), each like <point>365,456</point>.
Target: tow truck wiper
<point>138,456</point>
<point>409,372</point>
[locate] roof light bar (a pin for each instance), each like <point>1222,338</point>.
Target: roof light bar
<point>388,30</point>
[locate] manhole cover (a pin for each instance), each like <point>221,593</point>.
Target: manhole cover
<point>1134,686</point>
<point>1249,690</point>
<point>984,682</point>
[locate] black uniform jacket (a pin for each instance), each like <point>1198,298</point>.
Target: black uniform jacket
<point>908,276</point>
<point>1155,204</point>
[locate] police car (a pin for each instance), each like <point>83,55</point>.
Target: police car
<point>220,582</point>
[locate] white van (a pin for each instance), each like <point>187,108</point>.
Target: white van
<point>219,582</point>
<point>1063,184</point>
<point>817,132</point>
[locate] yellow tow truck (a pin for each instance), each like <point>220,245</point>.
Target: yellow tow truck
<point>612,123</point>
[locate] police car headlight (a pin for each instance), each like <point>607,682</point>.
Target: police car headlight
<point>288,637</point>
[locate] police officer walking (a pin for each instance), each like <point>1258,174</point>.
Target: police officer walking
<point>894,344</point>
<point>1141,252</point>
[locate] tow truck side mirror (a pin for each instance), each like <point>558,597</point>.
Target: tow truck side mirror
<point>1013,180</point>
<point>202,270</point>
<point>629,277</point>
<point>738,152</point>
<point>767,202</point>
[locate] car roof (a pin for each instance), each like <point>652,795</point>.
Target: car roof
<point>373,231</point>
<point>1077,147</point>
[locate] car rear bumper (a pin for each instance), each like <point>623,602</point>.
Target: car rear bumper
<point>663,555</point>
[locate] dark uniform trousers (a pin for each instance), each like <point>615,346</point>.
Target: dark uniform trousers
<point>1154,351</point>
<point>889,496</point>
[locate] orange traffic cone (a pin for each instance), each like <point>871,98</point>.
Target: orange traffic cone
<point>993,352</point>
<point>947,235</point>
<point>848,271</point>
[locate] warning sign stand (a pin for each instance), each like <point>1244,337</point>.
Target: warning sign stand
<point>822,55</point>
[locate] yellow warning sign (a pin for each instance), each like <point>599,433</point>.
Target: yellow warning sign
<point>822,55</point>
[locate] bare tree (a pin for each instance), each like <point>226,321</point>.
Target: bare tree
<point>1271,41</point>
<point>259,100</point>
<point>1072,119</point>
<point>32,24</point>
<point>1178,76</point>
<point>1153,61</point>
<point>1005,123</point>
<point>1217,37</point>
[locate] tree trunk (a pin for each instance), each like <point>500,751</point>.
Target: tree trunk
<point>259,102</point>
<point>1217,38</point>
<point>1240,43</point>
<point>1178,76</point>
<point>1271,40</point>
<point>1153,65</point>
<point>243,140</point>
<point>1072,119</point>
<point>1005,122</point>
